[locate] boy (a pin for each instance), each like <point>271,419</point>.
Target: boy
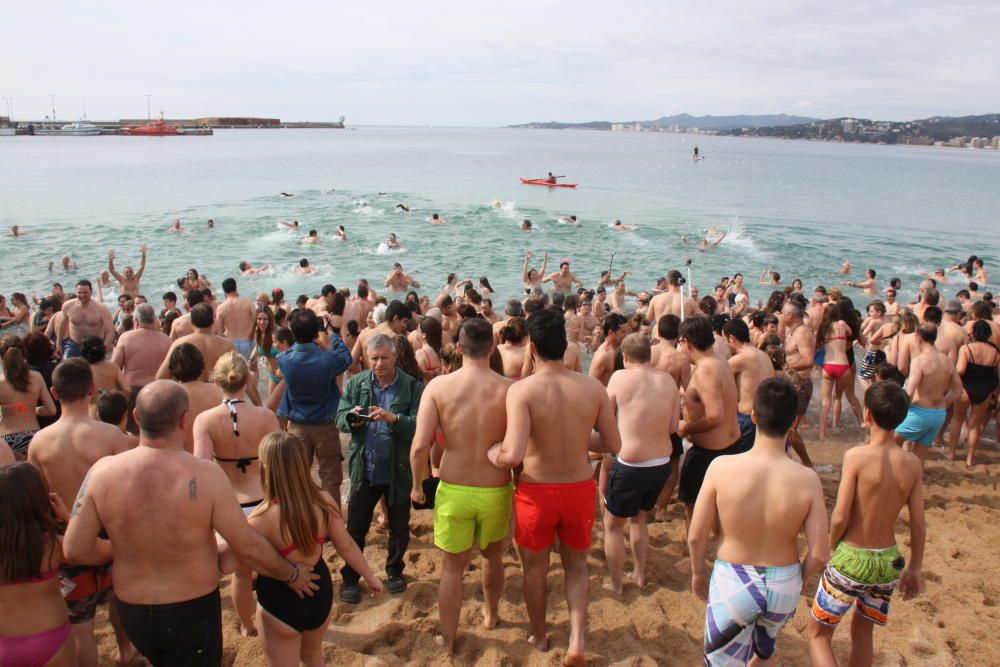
<point>866,567</point>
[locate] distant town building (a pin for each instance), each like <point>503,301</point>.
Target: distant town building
<point>849,125</point>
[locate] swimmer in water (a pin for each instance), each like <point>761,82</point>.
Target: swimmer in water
<point>247,269</point>
<point>313,237</point>
<point>393,242</point>
<point>497,203</point>
<point>210,224</point>
<point>845,268</point>
<point>619,227</point>
<point>303,268</point>
<point>294,224</point>
<point>403,207</point>
<point>15,231</point>
<point>175,226</point>
<point>287,194</point>
<point>526,225</point>
<point>706,243</point>
<point>569,220</point>
<point>435,219</point>
<point>341,233</point>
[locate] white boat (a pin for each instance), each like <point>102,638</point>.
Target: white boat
<point>81,128</point>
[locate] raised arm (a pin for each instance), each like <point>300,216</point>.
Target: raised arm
<point>142,262</point>
<point>524,267</point>
<point>111,266</point>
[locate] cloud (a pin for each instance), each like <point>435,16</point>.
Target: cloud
<point>499,63</point>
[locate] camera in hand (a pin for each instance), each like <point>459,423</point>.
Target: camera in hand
<point>354,418</point>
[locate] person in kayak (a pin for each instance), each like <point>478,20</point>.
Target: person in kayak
<point>550,178</point>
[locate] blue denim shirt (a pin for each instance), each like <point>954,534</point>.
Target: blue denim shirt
<point>378,436</point>
<point>310,372</point>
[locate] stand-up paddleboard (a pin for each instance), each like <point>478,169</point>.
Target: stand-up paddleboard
<point>538,181</point>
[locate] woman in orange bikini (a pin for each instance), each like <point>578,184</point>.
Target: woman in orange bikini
<point>23,398</point>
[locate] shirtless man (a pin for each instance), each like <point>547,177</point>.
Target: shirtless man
<point>647,406</point>
<point>951,325</point>
<point>618,294</point>
<point>399,281</point>
<point>710,404</point>
<point>63,453</point>
<point>312,237</point>
<point>877,480</point>
<point>248,269</point>
<point>708,242</point>
<point>211,346</point>
<point>619,227</point>
<point>891,305</point>
<point>800,352</point>
<point>751,366</point>
<point>80,317</point>
<point>129,282</point>
<point>869,285</point>
<point>159,506</point>
<point>929,296</point>
<point>933,384</point>
<point>562,280</point>
<point>182,325</point>
<point>237,318</point>
<point>474,497</point>
<point>761,500</point>
<point>397,318</point>
<point>436,219</point>
<point>175,226</point>
<point>140,352</point>
<point>665,354</point>
<point>670,302</point>
<point>550,416</point>
<point>303,269</point>
<point>773,278</point>
<point>358,307</point>
<point>615,328</point>
<point>294,224</point>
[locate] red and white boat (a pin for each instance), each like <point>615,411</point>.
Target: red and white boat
<point>154,128</point>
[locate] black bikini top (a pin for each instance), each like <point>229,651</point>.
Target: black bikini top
<point>245,462</point>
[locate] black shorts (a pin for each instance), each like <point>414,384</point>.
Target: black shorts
<point>696,465</point>
<point>677,448</point>
<point>300,614</point>
<point>187,634</point>
<point>631,488</point>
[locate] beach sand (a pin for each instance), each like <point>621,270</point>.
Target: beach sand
<point>954,622</point>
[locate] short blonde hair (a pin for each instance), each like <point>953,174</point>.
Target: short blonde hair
<point>231,372</point>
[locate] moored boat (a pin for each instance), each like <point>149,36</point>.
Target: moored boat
<point>154,128</point>
<point>81,128</point>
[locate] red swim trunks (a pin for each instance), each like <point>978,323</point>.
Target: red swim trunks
<point>543,510</point>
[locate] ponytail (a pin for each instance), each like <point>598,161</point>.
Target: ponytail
<point>15,368</point>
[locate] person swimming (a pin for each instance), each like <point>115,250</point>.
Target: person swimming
<point>403,207</point>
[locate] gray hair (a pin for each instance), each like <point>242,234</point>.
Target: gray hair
<point>144,314</point>
<point>378,313</point>
<point>381,340</point>
<point>795,309</point>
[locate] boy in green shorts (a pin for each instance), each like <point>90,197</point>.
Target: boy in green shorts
<point>877,480</point>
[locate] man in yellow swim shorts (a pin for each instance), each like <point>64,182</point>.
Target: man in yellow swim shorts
<point>473,501</point>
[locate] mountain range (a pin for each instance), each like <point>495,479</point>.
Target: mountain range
<point>685,121</point>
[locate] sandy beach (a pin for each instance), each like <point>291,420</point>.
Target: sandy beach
<point>952,623</point>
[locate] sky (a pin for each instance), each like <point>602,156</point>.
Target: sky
<point>478,63</point>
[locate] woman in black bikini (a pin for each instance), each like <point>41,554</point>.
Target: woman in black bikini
<point>230,433</point>
<point>977,365</point>
<point>296,517</point>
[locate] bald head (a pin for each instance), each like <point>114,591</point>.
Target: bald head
<point>158,408</point>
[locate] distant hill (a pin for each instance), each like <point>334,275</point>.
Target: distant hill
<point>682,121</point>
<point>957,131</point>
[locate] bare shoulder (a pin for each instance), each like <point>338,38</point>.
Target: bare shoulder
<point>802,475</point>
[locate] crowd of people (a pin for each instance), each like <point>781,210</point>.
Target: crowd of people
<point>149,453</point>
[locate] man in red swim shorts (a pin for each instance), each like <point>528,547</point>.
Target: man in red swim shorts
<point>550,418</point>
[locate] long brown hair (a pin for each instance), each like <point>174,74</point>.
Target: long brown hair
<point>264,339</point>
<point>27,525</point>
<point>15,368</point>
<point>286,480</point>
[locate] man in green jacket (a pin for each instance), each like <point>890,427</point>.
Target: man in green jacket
<point>379,409</point>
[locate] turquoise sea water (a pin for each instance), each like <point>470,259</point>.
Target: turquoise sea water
<point>801,208</point>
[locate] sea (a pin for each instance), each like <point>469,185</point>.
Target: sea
<point>800,208</point>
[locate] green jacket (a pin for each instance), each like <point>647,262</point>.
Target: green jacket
<point>359,392</point>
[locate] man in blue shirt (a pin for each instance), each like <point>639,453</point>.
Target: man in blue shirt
<point>379,410</point>
<point>311,395</point>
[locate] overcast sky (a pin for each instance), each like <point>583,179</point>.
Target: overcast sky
<point>498,63</point>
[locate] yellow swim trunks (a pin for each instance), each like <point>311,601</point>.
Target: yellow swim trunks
<point>463,514</point>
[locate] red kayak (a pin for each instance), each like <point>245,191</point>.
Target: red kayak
<point>539,181</point>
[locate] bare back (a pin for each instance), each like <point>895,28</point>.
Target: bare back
<point>647,405</point>
<point>472,414</point>
<point>883,478</point>
<point>762,503</point>
<point>214,437</point>
<point>202,396</point>
<point>751,367</point>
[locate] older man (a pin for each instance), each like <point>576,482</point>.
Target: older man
<point>379,410</point>
<point>128,283</point>
<point>140,352</point>
<point>160,507</point>
<point>312,395</point>
<point>80,317</point>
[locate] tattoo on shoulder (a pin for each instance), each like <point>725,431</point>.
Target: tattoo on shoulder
<point>78,503</point>
<point>192,490</point>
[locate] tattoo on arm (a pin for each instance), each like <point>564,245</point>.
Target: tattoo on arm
<point>192,490</point>
<point>78,503</point>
